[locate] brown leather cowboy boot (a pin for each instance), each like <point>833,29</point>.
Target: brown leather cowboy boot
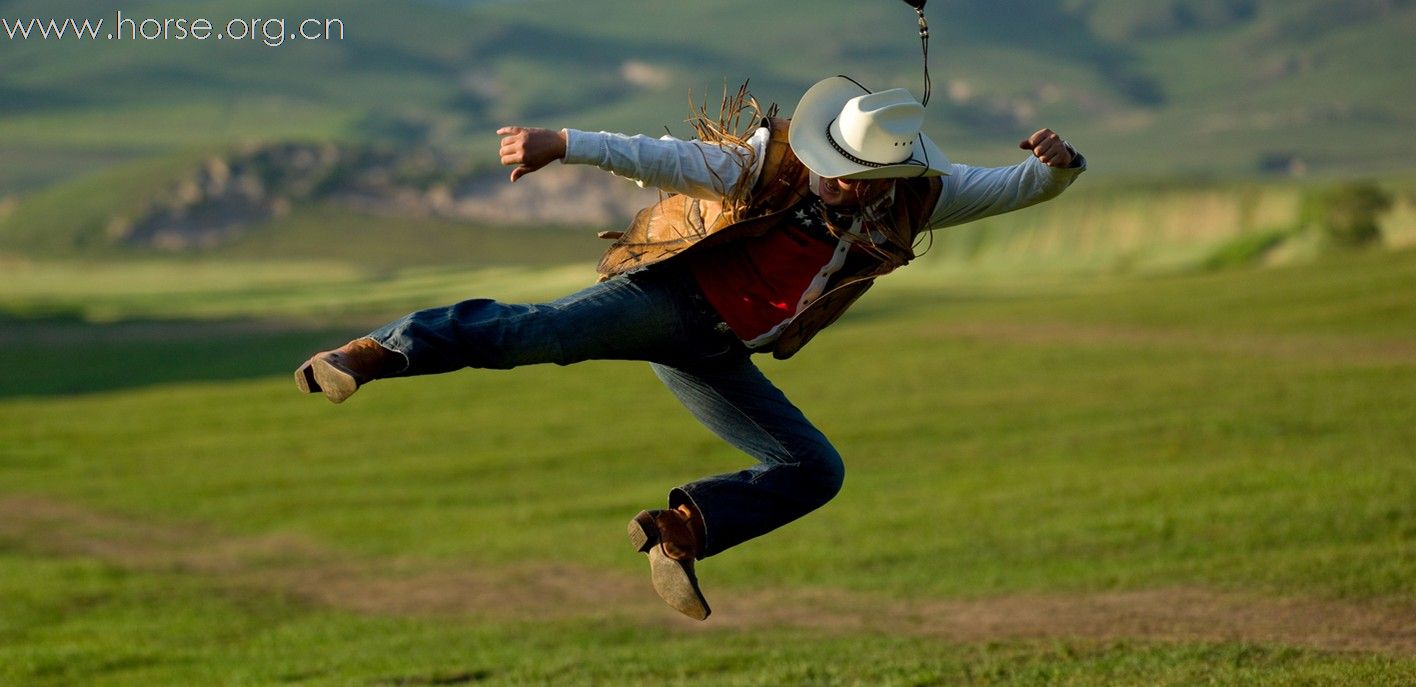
<point>672,539</point>
<point>340,372</point>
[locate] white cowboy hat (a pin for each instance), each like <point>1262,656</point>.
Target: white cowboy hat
<point>842,130</point>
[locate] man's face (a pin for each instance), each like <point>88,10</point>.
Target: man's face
<point>850,193</point>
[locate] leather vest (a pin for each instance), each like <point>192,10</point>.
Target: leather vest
<point>680,225</point>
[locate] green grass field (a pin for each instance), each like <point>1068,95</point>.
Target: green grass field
<point>1165,480</point>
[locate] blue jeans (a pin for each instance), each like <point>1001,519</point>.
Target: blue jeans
<point>656,315</point>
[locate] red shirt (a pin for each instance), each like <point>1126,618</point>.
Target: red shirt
<point>757,283</point>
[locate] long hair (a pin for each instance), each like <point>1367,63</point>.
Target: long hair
<point>739,115</point>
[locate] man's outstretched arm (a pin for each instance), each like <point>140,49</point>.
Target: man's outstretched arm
<point>693,168</point>
<point>972,193</point>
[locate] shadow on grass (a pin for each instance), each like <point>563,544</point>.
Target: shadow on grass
<point>59,354</point>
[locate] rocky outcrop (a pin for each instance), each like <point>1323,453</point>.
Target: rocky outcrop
<point>556,195</point>
<point>228,194</point>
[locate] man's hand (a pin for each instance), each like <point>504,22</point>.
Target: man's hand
<point>1049,148</point>
<point>529,149</point>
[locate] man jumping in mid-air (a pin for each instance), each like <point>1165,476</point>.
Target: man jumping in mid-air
<point>764,240</point>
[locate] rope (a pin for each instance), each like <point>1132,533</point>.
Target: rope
<point>924,48</point>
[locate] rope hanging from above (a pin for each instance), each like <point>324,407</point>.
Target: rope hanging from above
<point>918,6</point>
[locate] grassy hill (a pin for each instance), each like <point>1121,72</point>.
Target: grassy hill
<point>1161,89</point>
<point>1156,87</point>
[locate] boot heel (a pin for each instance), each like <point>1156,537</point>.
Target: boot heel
<point>305,379</point>
<point>643,533</point>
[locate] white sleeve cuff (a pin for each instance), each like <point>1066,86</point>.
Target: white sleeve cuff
<point>584,148</point>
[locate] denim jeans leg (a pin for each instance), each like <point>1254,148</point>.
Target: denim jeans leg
<point>620,319</point>
<point>798,470</point>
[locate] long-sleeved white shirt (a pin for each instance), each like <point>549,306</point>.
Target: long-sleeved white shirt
<point>708,171</point>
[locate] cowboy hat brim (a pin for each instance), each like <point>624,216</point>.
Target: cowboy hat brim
<point>820,105</point>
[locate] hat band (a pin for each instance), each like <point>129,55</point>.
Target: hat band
<point>866,163</point>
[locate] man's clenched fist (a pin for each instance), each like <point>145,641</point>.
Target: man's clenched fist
<point>530,149</point>
<point>1049,148</point>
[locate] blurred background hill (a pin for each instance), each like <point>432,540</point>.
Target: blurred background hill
<point>186,147</point>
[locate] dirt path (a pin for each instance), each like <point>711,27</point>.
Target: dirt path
<point>293,566</point>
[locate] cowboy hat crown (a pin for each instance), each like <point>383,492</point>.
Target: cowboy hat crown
<point>842,130</point>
